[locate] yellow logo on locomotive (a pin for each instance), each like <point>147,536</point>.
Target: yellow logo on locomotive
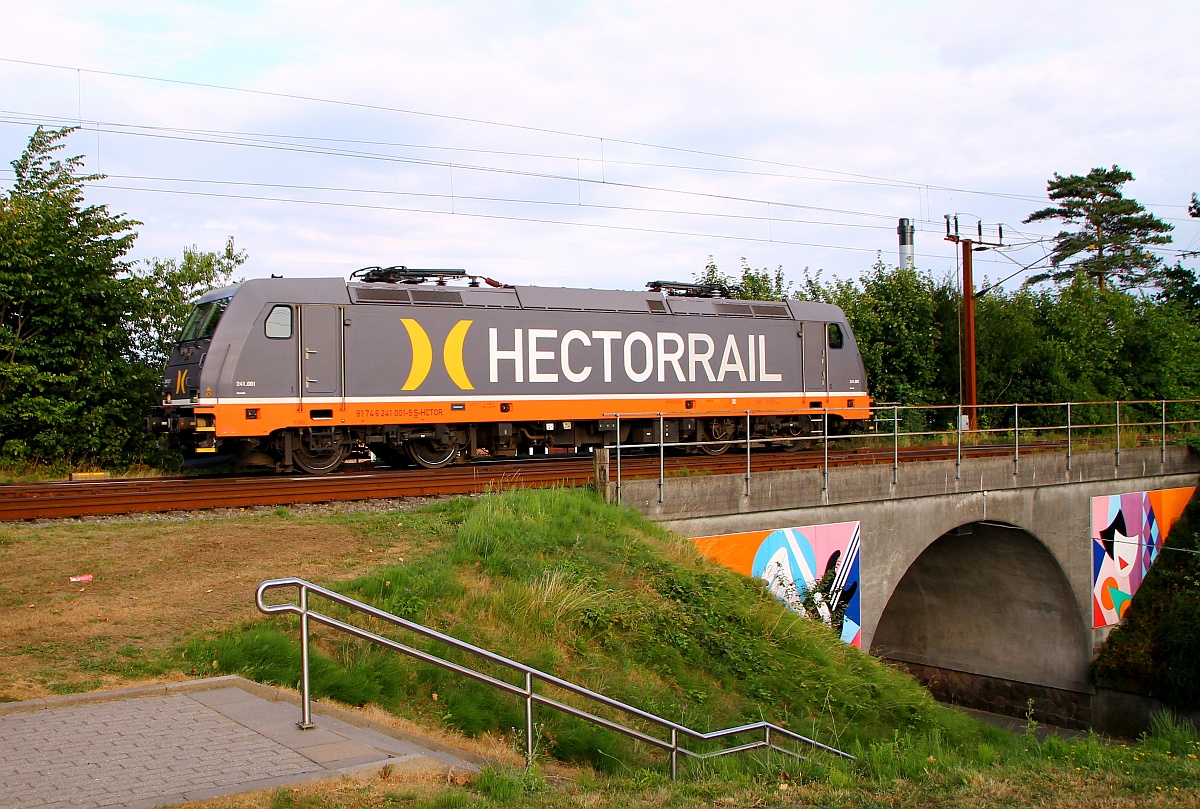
<point>452,354</point>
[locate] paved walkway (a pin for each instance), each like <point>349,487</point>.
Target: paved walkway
<point>164,745</point>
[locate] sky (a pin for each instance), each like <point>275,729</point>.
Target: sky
<point>605,144</point>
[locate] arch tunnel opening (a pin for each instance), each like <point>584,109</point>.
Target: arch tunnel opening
<point>986,618</point>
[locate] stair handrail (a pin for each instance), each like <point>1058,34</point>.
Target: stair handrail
<point>770,731</point>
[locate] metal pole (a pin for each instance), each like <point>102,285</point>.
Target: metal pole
<point>1016,439</point>
<point>1118,432</point>
<point>528,719</point>
<point>618,459</point>
<point>674,754</point>
<point>661,472</point>
<point>895,445</point>
<point>825,431</point>
<point>747,453</point>
<point>1068,436</point>
<point>305,722</point>
<point>1164,430</point>
<point>968,293</point>
<point>958,431</point>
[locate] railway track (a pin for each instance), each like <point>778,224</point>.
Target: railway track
<point>125,496</point>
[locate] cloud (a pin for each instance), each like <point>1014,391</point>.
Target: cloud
<point>990,98</point>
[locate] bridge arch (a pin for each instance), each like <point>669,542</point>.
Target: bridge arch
<point>987,611</point>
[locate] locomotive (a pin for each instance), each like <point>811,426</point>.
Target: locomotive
<point>431,367</point>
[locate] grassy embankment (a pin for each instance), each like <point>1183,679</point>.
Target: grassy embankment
<point>559,580</point>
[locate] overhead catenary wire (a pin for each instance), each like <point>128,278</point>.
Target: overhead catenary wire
<point>118,128</point>
<point>600,225</point>
<point>541,175</point>
<point>599,139</point>
<point>515,172</point>
<point>287,142</point>
<point>514,200</point>
<point>499,217</point>
<point>505,200</point>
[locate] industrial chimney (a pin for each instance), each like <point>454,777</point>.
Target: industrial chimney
<point>906,230</point>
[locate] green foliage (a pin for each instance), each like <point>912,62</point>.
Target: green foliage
<point>1156,649</point>
<point>1076,342</point>
<point>67,386</point>
<point>509,785</point>
<point>83,332</point>
<point>899,317</point>
<point>753,285</point>
<point>1112,233</point>
<point>1179,285</point>
<point>163,291</point>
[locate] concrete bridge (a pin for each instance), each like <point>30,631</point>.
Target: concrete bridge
<point>981,579</point>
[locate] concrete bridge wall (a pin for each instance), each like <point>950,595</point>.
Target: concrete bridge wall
<point>983,569</point>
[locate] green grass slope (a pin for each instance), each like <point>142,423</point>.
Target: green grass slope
<point>596,594</point>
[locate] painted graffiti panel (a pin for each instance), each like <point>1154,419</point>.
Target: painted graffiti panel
<point>1128,533</point>
<point>813,569</point>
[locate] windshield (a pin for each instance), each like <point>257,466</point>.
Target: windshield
<point>203,320</point>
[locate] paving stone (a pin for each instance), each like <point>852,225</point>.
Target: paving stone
<point>150,750</point>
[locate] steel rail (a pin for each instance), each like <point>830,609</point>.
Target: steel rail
<point>56,500</point>
<point>531,676</point>
<point>113,497</point>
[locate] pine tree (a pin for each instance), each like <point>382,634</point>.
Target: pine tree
<point>1112,234</point>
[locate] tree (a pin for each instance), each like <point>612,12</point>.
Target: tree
<point>66,388</point>
<point>1112,234</point>
<point>163,291</point>
<point>83,332</point>
<point>754,285</point>
<point>1194,208</point>
<point>899,318</point>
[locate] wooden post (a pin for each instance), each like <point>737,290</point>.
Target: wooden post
<point>600,470</point>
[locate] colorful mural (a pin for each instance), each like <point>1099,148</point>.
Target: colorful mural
<point>1128,532</point>
<point>811,568</point>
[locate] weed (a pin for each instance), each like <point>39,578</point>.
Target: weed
<point>1031,724</point>
<point>1170,735</point>
<point>509,785</point>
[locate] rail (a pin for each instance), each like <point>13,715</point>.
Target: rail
<point>964,426</point>
<point>770,733</point>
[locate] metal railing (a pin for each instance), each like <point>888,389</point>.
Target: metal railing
<point>891,416</point>
<point>770,733</point>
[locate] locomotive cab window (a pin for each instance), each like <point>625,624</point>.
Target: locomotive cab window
<point>836,340</point>
<point>203,320</point>
<point>279,323</point>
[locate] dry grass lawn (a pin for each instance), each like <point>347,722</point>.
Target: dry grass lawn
<point>155,584</point>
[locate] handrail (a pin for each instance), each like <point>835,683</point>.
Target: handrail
<point>306,588</point>
<point>889,417</point>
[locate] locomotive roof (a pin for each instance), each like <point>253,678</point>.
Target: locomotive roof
<point>338,290</point>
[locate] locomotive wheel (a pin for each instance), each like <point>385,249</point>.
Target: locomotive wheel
<point>319,463</point>
<point>424,453</point>
<point>718,430</point>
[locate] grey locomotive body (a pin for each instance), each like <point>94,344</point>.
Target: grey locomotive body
<point>303,371</point>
